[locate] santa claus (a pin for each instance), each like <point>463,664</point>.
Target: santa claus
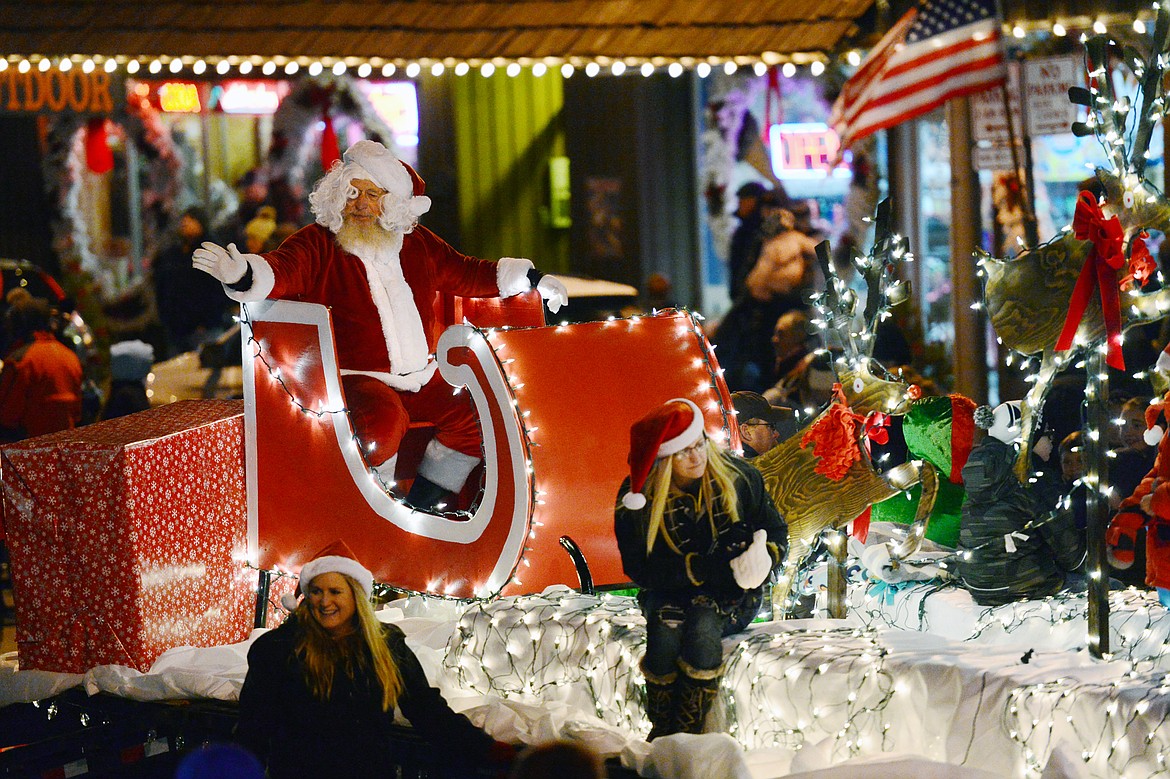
<point>377,269</point>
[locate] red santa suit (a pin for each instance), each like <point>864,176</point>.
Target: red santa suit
<point>386,330</point>
<point>1154,514</point>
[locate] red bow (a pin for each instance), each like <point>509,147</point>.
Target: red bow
<point>1100,271</point>
<point>1141,264</point>
<point>875,430</point>
<point>834,438</point>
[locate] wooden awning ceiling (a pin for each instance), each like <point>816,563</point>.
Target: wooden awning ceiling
<point>436,30</point>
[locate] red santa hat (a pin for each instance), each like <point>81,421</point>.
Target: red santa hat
<point>1156,420</point>
<point>666,430</point>
<point>1163,363</point>
<point>389,173</point>
<point>334,558</point>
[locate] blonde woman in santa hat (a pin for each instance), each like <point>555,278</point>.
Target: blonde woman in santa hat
<point>378,270</point>
<point>699,535</point>
<point>321,691</point>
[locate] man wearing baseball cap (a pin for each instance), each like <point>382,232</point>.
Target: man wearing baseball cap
<point>378,270</point>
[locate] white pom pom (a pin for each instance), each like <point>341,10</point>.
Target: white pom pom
<point>1163,363</point>
<point>288,601</point>
<point>1153,435</point>
<point>634,500</point>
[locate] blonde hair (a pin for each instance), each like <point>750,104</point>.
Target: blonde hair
<point>716,485</point>
<point>322,654</point>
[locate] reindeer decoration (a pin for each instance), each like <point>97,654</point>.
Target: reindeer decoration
<point>810,499</point>
<point>1029,298</point>
<point>1079,292</point>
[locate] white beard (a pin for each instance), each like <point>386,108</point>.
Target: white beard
<point>402,328</point>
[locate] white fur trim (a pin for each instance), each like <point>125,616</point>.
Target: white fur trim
<point>336,564</point>
<point>687,437</point>
<point>402,329</point>
<point>1163,363</point>
<point>634,500</point>
<point>512,276</point>
<point>289,601</point>
<point>1153,435</point>
<point>263,281</point>
<point>407,382</point>
<point>445,466</point>
<point>419,204</point>
<point>381,166</point>
<point>385,470</point>
<point>355,171</point>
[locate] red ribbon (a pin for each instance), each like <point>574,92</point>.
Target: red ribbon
<point>860,527</point>
<point>330,151</point>
<point>98,156</point>
<point>1100,270</point>
<point>772,93</point>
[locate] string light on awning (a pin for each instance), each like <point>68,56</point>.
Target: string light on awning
<point>1020,32</point>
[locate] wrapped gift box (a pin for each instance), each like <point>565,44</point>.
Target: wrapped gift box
<point>128,537</point>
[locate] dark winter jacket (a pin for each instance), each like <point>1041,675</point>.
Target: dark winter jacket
<point>693,551</point>
<point>1008,563</point>
<point>349,736</point>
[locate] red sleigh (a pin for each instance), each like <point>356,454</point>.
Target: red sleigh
<point>555,405</point>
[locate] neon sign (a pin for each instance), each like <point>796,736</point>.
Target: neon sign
<point>804,150</point>
<point>249,97</point>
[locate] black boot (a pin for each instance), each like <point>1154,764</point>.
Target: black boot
<point>695,692</point>
<point>425,495</point>
<point>660,703</point>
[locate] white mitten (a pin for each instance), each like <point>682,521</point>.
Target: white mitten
<point>752,567</point>
<point>226,265</point>
<point>553,291</point>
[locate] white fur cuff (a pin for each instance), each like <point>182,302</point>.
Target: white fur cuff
<point>263,281</point>
<point>512,276</point>
<point>445,466</point>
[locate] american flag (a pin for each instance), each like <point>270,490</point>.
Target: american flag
<point>942,50</point>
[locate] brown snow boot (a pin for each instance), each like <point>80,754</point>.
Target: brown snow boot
<point>660,703</point>
<point>695,692</point>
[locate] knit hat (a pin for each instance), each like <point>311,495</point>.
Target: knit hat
<point>666,430</point>
<point>334,558</point>
<point>1003,422</point>
<point>130,360</point>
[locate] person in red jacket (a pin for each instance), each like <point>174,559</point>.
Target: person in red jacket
<point>378,270</point>
<point>40,384</point>
<point>1148,507</point>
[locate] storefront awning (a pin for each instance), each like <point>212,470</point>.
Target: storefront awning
<point>464,30</point>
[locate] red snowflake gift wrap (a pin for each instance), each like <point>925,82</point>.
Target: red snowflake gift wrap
<point>128,537</point>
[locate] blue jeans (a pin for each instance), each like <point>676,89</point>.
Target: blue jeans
<point>686,626</point>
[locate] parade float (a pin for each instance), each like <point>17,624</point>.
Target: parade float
<point>145,551</point>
